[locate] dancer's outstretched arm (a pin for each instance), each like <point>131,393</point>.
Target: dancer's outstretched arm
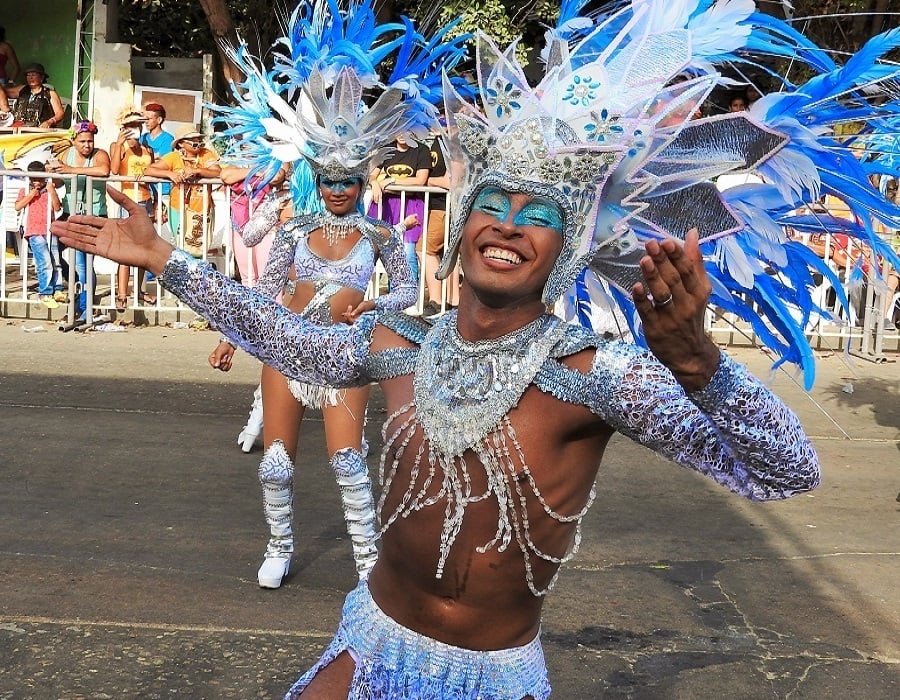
<point>335,355</point>
<point>688,401</point>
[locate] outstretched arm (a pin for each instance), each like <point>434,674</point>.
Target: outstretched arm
<point>335,355</point>
<point>734,430</point>
<point>691,403</point>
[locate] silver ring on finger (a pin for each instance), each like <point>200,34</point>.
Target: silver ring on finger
<point>663,302</point>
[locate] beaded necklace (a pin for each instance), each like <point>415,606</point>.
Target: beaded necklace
<point>463,394</point>
<point>336,228</point>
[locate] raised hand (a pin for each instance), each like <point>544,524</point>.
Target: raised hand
<point>672,302</point>
<point>128,241</point>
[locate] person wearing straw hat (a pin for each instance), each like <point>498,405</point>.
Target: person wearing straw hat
<point>190,207</point>
<point>129,157</point>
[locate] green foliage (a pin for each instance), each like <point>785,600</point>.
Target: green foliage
<point>503,20</point>
<point>844,25</point>
<point>179,27</point>
<point>164,28</point>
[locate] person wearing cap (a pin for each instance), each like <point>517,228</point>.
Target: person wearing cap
<point>129,157</point>
<point>189,162</point>
<point>37,104</point>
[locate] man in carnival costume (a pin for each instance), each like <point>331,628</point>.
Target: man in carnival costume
<point>499,413</point>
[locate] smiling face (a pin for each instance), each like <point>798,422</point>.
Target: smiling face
<point>510,242</point>
<point>190,147</point>
<point>340,196</point>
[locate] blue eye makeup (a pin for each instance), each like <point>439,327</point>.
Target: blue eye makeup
<point>494,202</point>
<point>338,185</point>
<point>539,212</point>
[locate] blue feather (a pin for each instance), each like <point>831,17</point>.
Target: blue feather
<point>773,37</point>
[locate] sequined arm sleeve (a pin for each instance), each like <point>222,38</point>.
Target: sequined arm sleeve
<point>264,218</point>
<point>734,430</point>
<point>281,257</point>
<point>404,290</point>
<point>333,355</point>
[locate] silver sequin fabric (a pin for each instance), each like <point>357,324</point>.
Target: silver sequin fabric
<point>290,247</point>
<point>734,430</point>
<point>394,662</point>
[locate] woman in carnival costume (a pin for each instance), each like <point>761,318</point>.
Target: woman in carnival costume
<point>498,415</point>
<point>323,259</point>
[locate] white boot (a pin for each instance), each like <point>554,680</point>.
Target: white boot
<point>352,475</point>
<point>249,433</point>
<point>276,474</point>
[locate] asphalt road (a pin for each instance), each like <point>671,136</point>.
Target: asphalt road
<point>131,531</point>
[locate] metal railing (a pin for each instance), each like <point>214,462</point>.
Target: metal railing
<point>426,193</point>
<point>195,232</point>
<point>862,330</point>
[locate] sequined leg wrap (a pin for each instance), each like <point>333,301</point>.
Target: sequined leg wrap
<point>276,474</point>
<point>352,476</point>
<point>254,425</point>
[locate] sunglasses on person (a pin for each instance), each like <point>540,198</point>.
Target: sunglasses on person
<point>193,144</point>
<point>338,185</point>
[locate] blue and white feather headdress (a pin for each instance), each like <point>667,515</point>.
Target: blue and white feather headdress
<point>311,107</point>
<point>608,134</point>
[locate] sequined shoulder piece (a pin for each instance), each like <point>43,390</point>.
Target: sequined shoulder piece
<point>576,339</point>
<point>406,326</point>
<point>596,389</point>
<point>301,225</point>
<point>377,231</point>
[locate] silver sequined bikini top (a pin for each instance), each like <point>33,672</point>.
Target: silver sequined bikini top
<point>354,270</point>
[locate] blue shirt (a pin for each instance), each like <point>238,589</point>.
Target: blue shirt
<point>161,145</point>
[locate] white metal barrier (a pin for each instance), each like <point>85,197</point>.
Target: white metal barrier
<point>862,329</point>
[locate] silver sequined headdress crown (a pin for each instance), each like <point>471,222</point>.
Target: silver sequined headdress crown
<point>326,102</point>
<point>607,134</point>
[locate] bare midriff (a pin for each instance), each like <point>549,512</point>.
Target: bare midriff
<point>482,601</point>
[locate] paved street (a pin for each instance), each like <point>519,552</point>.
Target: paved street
<point>131,531</point>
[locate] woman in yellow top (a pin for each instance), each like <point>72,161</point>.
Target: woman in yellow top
<point>130,158</point>
<point>189,162</point>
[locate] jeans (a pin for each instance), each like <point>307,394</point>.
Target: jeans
<point>81,272</point>
<point>46,264</point>
<point>409,247</point>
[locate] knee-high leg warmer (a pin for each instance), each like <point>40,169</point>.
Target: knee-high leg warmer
<point>276,474</point>
<point>254,425</point>
<point>352,475</point>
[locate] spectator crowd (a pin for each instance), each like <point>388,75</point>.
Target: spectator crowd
<point>173,174</point>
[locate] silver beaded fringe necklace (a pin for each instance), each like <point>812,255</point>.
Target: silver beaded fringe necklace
<point>336,228</point>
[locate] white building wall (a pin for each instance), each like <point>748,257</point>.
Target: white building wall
<point>111,80</point>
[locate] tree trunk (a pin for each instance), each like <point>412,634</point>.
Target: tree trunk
<point>878,13</point>
<point>221,24</point>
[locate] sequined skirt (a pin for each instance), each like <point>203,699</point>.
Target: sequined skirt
<point>395,662</point>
